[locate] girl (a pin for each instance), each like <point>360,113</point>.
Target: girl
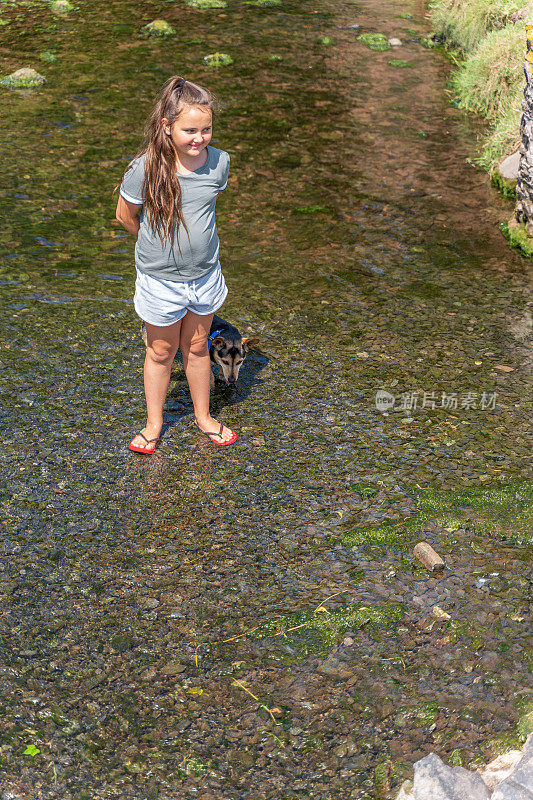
<point>167,199</point>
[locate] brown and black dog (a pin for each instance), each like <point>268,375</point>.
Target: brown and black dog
<point>227,349</point>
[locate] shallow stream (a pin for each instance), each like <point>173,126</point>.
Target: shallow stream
<point>250,622</point>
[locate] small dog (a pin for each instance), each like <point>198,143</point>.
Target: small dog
<point>227,349</point>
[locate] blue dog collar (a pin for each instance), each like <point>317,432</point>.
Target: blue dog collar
<point>210,339</point>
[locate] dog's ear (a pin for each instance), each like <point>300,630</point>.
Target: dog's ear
<point>219,341</point>
<point>249,343</point>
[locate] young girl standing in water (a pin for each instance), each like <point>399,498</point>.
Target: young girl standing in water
<point>167,199</point>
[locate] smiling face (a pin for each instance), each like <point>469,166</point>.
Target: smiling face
<point>191,132</point>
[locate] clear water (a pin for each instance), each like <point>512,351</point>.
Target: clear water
<point>250,622</point>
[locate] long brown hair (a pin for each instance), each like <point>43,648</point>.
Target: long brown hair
<point>163,191</point>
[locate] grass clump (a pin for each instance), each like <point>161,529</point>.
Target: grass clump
<point>467,22</point>
<point>491,78</point>
<point>489,81</point>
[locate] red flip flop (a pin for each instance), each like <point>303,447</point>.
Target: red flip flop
<point>139,448</point>
<point>207,433</point>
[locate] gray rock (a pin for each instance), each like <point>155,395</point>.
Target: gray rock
<point>499,768</point>
<point>25,78</point>
<point>434,780</point>
<point>395,42</point>
<point>406,791</point>
<point>508,168</point>
<point>519,784</point>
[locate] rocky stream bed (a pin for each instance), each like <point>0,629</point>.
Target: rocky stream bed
<point>253,624</point>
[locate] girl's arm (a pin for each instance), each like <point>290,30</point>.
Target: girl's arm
<point>128,215</point>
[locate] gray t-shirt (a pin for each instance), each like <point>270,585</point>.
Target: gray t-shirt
<point>199,191</point>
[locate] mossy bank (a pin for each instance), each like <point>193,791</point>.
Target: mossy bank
<point>490,38</point>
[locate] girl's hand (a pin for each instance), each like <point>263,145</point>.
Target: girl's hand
<point>128,215</point>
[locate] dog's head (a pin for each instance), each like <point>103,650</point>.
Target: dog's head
<point>229,355</point>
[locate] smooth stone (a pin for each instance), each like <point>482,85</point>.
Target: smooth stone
<point>173,668</point>
<point>508,168</point>
<point>434,780</point>
<point>519,784</point>
<point>395,42</point>
<point>499,769</point>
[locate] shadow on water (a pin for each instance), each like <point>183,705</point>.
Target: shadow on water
<point>250,623</point>
<point>179,404</point>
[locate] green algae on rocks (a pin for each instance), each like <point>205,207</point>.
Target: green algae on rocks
<point>24,78</point>
<point>47,55</point>
<point>218,60</point>
<point>374,41</point>
<point>325,40</point>
<point>205,4</point>
<point>506,511</point>
<point>328,625</point>
<point>262,3</point>
<point>505,186</point>
<point>158,27</point>
<point>397,62</point>
<point>516,234</point>
<point>61,6</point>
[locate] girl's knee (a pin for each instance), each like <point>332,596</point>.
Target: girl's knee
<point>161,352</point>
<point>196,346</point>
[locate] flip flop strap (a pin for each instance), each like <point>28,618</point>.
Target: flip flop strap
<point>212,433</point>
<point>148,440</point>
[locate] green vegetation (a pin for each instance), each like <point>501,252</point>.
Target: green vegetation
<point>503,185</point>
<point>158,27</point>
<point>397,62</point>
<point>506,512</point>
<point>489,79</point>
<point>204,4</point>
<point>262,3</point>
<point>218,60</point>
<point>466,23</point>
<point>24,78</point>
<point>327,625</point>
<point>517,237</point>
<point>375,41</point>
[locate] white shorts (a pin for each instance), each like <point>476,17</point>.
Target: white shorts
<point>162,302</point>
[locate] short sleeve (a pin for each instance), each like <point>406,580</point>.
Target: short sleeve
<point>225,173</point>
<point>131,186</point>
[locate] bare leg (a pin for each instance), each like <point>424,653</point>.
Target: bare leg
<point>163,344</point>
<point>193,344</point>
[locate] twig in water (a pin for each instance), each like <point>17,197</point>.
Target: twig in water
<point>245,688</point>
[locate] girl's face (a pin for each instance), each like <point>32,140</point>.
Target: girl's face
<point>192,131</point>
